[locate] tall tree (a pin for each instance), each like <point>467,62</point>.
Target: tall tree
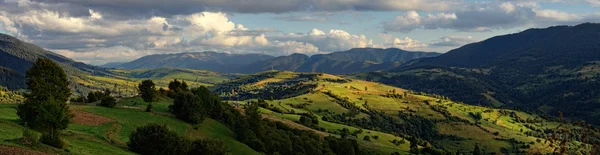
<point>148,90</point>
<point>45,108</point>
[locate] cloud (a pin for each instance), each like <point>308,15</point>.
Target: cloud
<point>475,17</point>
<point>97,37</point>
<point>486,16</point>
<point>302,18</point>
<point>332,40</point>
<point>182,7</point>
<point>453,41</point>
<point>405,44</point>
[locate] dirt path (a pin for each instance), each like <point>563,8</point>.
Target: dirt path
<point>10,150</point>
<point>86,118</point>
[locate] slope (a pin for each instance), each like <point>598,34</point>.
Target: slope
<point>397,117</point>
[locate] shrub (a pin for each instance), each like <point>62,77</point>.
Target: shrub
<point>53,140</point>
<point>212,147</point>
<point>149,108</point>
<point>367,138</point>
<point>154,139</point>
<point>108,101</point>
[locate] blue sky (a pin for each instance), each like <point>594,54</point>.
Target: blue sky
<point>100,31</point>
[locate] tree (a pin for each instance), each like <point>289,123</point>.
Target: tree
<point>188,107</point>
<point>94,96</point>
<point>148,91</point>
<point>45,108</point>
<point>154,139</point>
<point>477,151</point>
<point>253,116</point>
<point>176,86</point>
<point>108,101</point>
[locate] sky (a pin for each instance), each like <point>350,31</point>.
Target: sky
<point>101,31</point>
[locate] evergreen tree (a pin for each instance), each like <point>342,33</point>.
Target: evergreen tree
<point>148,91</point>
<point>477,151</point>
<point>253,116</point>
<point>45,108</point>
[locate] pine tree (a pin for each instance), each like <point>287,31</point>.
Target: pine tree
<point>45,108</point>
<point>477,151</point>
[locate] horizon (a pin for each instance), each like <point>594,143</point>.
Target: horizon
<point>98,32</point>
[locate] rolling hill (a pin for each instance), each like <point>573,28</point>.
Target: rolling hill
<point>547,70</point>
<point>213,61</point>
<point>343,62</point>
<point>392,114</point>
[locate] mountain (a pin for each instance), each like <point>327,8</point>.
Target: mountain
<point>550,70</point>
<point>113,64</point>
<point>344,62</point>
<point>17,56</point>
<point>213,61</point>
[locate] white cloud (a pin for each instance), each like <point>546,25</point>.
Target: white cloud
<point>333,40</point>
<point>453,41</point>
<point>405,44</point>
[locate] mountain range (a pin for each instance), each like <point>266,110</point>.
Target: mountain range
<point>343,62</point>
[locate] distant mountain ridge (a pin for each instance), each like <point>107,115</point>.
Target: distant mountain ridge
<point>343,62</point>
<point>213,61</point>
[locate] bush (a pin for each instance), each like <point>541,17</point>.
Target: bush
<point>29,138</point>
<point>212,147</point>
<point>108,101</point>
<point>149,108</point>
<point>53,140</point>
<point>367,138</point>
<point>154,139</point>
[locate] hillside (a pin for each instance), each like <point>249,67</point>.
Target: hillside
<point>343,62</point>
<point>393,114</point>
<point>213,61</point>
<point>105,131</point>
<point>17,56</point>
<point>545,70</point>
